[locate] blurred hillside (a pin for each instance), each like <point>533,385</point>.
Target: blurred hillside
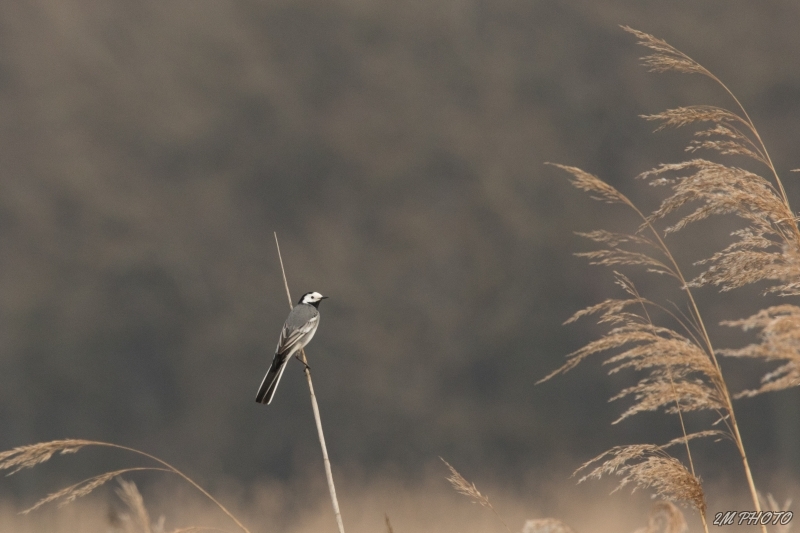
<point>149,149</point>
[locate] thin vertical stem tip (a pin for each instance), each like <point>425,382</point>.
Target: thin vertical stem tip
<point>283,271</point>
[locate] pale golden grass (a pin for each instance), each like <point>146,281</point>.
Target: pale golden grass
<point>301,505</point>
<point>85,487</point>
<point>679,362</point>
<point>539,525</point>
<point>131,496</point>
<point>767,248</point>
<point>665,517</point>
<point>137,518</point>
<point>462,486</point>
<point>680,372</point>
<point>779,340</point>
<point>650,467</point>
<point>34,454</point>
<point>771,504</point>
<point>654,465</point>
<point>546,525</point>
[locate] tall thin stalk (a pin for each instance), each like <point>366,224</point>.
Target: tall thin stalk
<point>677,408</point>
<point>685,370</point>
<point>315,407</point>
<point>721,385</point>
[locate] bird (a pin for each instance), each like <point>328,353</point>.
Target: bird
<point>299,328</point>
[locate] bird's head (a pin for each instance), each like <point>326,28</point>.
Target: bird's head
<point>312,298</point>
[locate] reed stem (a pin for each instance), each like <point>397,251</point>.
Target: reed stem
<point>315,407</point>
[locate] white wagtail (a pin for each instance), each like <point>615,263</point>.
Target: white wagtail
<point>299,328</point>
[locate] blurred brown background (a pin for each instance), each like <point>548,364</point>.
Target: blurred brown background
<point>149,149</point>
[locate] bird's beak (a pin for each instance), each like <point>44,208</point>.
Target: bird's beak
<point>324,298</point>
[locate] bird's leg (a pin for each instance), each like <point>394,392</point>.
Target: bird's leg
<point>297,356</point>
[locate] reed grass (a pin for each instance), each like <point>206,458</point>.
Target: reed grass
<point>462,486</point>
<point>681,367</point>
<point>132,498</point>
<point>32,455</point>
<point>546,525</point>
<point>664,516</point>
<point>137,518</point>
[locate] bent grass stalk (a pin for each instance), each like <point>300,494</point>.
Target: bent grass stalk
<point>315,407</point>
<point>33,454</point>
<point>667,505</point>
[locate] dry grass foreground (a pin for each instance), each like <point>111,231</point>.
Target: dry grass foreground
<point>412,507</point>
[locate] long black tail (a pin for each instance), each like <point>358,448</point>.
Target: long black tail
<point>267,389</point>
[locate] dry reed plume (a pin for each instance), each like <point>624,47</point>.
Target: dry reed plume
<point>665,517</point>
<point>34,454</point>
<point>462,486</point>
<point>649,466</point>
<point>138,519</point>
<point>539,525</point>
<point>681,367</point>
<point>546,525</point>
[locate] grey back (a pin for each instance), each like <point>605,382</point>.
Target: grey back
<point>300,315</point>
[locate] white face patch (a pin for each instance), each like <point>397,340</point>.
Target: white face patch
<point>312,297</point>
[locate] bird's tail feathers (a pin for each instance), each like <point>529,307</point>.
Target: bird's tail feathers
<point>267,389</point>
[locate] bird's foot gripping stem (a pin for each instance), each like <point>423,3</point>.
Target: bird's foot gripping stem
<point>308,368</point>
